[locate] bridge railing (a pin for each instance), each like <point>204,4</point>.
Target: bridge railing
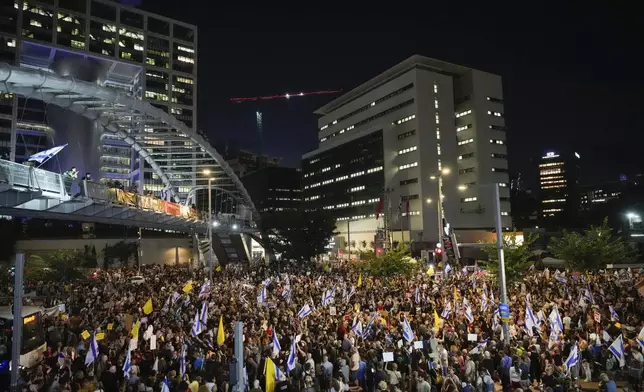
<point>29,177</point>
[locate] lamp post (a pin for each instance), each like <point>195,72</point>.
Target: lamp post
<point>439,204</point>
<point>210,222</point>
<point>632,217</point>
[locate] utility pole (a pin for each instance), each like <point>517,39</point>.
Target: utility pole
<point>17,321</point>
<point>239,355</point>
<point>499,247</point>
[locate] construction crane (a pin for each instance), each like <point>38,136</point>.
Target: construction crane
<point>282,96</point>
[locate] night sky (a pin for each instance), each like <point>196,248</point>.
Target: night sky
<point>572,76</point>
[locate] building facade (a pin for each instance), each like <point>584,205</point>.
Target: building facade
<point>422,124</point>
<point>146,55</point>
<point>274,188</point>
<point>559,198</point>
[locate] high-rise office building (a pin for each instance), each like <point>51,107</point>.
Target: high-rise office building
<point>559,187</point>
<point>274,188</point>
<point>395,138</point>
<point>147,55</point>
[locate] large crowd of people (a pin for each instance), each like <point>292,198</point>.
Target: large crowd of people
<point>309,328</point>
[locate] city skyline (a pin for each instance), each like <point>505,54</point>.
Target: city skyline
<point>566,77</point>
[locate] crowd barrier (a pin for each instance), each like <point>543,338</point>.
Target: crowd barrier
<point>119,196</point>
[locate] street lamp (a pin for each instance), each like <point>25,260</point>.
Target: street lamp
<point>210,221</point>
<point>632,218</point>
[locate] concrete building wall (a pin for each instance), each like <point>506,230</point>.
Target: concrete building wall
<point>167,251</point>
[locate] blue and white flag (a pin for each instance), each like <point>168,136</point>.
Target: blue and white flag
<point>261,298</point>
<point>530,320</point>
<point>350,294</point>
<point>328,296</point>
<point>370,324</point>
<point>468,314</point>
<point>166,305</point>
<point>47,154</point>
<point>276,344</point>
<point>553,339</point>
<point>196,326</point>
<point>606,336</point>
<point>408,333</point>
<point>92,353</point>
<point>417,296</point>
<point>617,348</point>
<point>290,362</point>
<point>573,358</point>
<point>447,310</point>
<point>447,269</point>
<point>205,289</point>
<point>613,314</point>
<point>182,362</point>
<point>589,297</point>
<point>357,326</point>
<point>305,311</point>
<point>165,387</point>
<point>127,366</point>
<point>555,320</point>
<point>484,302</point>
<point>187,301</point>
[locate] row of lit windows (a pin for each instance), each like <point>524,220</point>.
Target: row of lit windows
<point>185,59</point>
<point>374,169</point>
<point>499,170</point>
<point>357,174</point>
<point>438,119</point>
<point>464,127</point>
<point>468,199</point>
<point>553,210</point>
<point>466,156</point>
<point>465,113</point>
<point>357,188</point>
<point>496,141</point>
<point>551,164</point>
<point>406,150</point>
<point>553,201</point>
<point>553,186</point>
<point>466,141</point>
<point>327,182</point>
<point>341,178</point>
<point>549,171</point>
<point>326,169</point>
<point>411,213</point>
<point>553,182</point>
<point>408,165</point>
<point>495,114</point>
<point>404,120</point>
<point>551,177</point>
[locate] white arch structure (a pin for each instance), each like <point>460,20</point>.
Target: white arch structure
<point>130,119</point>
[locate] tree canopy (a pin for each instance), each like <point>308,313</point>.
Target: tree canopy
<point>395,262</point>
<point>590,250</point>
<point>300,234</point>
<point>516,256</point>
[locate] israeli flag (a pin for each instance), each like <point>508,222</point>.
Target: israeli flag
<point>553,339</point>
<point>328,297</point>
<point>267,282</point>
<point>276,344</point>
<point>261,298</point>
<point>417,296</point>
<point>484,303</point>
<point>305,311</point>
<point>370,324</point>
<point>182,362</point>
<point>530,321</point>
<point>408,333</point>
<point>196,326</point>
<point>617,348</point>
<point>447,269</point>
<point>165,387</point>
<point>205,289</point>
<point>287,295</point>
<point>357,326</point>
<point>92,353</point>
<point>166,305</point>
<point>290,362</point>
<point>203,318</point>
<point>588,297</point>
<point>352,291</point>
<point>468,314</point>
<point>446,311</point>
<point>47,154</point>
<point>613,313</point>
<point>555,320</point>
<point>127,366</point>
<point>573,358</point>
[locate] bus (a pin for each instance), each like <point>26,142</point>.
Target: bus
<point>33,343</point>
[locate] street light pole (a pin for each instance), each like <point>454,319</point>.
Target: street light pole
<point>210,222</point>
<point>499,247</point>
<point>440,209</point>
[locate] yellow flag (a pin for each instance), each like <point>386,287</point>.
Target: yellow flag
<point>135,329</point>
<point>430,271</point>
<point>187,288</point>
<point>218,269</point>
<point>100,336</point>
<point>147,308</point>
<point>85,335</point>
<point>359,280</point>
<point>437,322</point>
<point>221,335</point>
<point>269,371</point>
<point>457,295</point>
<point>110,326</point>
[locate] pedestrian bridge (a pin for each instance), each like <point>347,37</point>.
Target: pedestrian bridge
<point>26,191</point>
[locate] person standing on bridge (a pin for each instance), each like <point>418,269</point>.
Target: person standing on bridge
<point>68,178</point>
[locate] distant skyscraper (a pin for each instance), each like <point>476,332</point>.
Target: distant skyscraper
<point>391,137</point>
<point>112,44</point>
<point>559,186</point>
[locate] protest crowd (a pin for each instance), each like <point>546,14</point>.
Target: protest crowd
<point>310,328</point>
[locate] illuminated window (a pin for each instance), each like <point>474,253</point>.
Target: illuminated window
<point>357,174</point>
<point>126,55</point>
<point>435,88</point>
<point>357,188</point>
<point>466,170</point>
<point>438,120</point>
<point>326,169</point>
<point>411,213</point>
<point>551,164</point>
<point>408,165</point>
<point>504,213</point>
<point>324,127</point>
<point>138,47</point>
<point>185,80</point>
<point>465,113</point>
<point>374,169</point>
<point>185,59</point>
<point>78,44</point>
<point>496,141</point>
<point>495,114</point>
<point>499,170</point>
<point>11,42</point>
<point>358,202</point>
<point>554,201</point>
<point>553,210</point>
<point>341,178</point>
<point>404,120</point>
<point>468,199</point>
<point>186,49</point>
<point>150,61</point>
<point>35,23</point>
<point>438,148</point>
<point>464,127</point>
<point>406,150</point>
<point>465,156</point>
<point>550,171</point>
<point>466,141</point>
<point>436,103</point>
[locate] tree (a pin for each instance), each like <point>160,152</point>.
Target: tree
<point>121,251</point>
<point>9,231</point>
<point>300,234</point>
<point>90,259</point>
<point>396,261</point>
<point>516,256</point>
<point>60,265</point>
<point>590,250</point>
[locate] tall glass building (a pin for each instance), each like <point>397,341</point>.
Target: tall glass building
<point>112,44</point>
